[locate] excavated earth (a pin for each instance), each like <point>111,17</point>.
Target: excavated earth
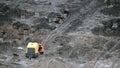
<point>86,36</point>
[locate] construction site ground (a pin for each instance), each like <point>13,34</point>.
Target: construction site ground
<point>78,41</point>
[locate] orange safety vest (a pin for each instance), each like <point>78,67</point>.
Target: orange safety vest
<point>42,49</point>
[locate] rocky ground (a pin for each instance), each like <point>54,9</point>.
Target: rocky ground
<point>75,33</point>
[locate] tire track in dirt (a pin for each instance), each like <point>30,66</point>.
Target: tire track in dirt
<point>106,52</point>
<point>62,28</point>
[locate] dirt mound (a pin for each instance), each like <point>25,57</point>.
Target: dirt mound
<point>110,28</point>
<point>113,10</point>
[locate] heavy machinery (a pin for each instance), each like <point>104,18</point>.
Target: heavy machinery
<point>33,49</point>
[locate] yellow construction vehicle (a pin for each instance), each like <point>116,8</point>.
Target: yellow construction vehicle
<point>32,50</point>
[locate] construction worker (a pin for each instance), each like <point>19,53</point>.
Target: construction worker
<point>41,49</point>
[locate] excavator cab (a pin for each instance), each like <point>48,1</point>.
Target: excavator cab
<point>32,50</point>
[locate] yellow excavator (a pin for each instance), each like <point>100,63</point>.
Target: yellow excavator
<point>33,49</point>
